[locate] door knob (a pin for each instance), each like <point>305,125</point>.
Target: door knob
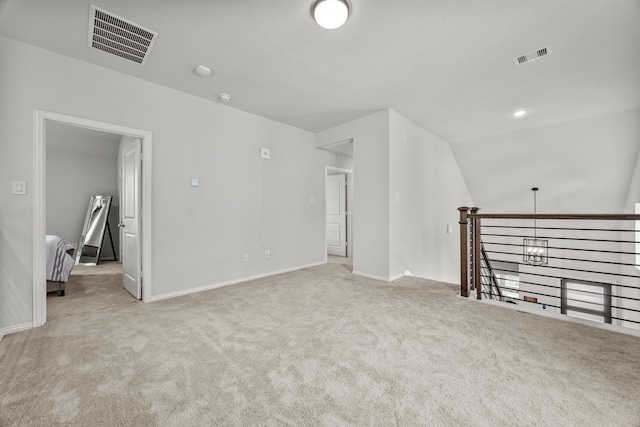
<point>121,225</point>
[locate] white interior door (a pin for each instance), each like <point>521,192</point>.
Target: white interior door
<point>336,203</point>
<point>130,217</point>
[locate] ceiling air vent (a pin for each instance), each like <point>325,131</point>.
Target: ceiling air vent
<point>532,56</point>
<point>117,36</point>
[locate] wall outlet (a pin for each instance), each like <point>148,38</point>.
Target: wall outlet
<point>267,253</point>
<point>245,257</point>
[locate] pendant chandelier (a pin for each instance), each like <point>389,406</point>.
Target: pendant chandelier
<point>535,251</point>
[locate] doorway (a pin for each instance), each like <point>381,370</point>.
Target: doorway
<point>340,164</point>
<point>82,167</point>
<point>338,211</point>
<point>42,120</point>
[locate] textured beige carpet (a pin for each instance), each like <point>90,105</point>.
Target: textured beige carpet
<point>89,289</point>
<point>105,267</point>
<point>318,347</point>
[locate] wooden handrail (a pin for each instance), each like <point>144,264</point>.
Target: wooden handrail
<point>604,217</point>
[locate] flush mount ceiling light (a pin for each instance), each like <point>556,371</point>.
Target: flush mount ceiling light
<point>519,113</point>
<point>331,14</point>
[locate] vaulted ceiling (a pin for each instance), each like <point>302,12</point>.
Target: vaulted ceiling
<point>445,64</point>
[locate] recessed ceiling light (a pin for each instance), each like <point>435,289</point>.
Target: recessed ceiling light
<point>202,70</point>
<point>331,14</point>
<point>519,113</point>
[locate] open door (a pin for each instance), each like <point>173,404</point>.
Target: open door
<point>130,161</point>
<point>336,214</point>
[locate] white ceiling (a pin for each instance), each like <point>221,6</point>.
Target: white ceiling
<point>81,141</point>
<point>445,64</point>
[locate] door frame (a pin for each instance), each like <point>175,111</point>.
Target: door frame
<point>349,173</point>
<point>41,118</point>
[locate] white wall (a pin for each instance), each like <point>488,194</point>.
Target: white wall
<point>633,194</point>
<point>341,161</point>
<point>370,190</point>
<point>199,234</point>
<point>394,155</point>
<point>590,160</point>
<point>430,188</point>
<point>79,166</point>
<point>633,199</point>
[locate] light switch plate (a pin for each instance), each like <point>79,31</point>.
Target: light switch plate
<point>195,182</point>
<point>19,187</point>
<point>265,153</point>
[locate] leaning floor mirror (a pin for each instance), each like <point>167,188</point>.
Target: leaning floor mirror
<point>93,232</point>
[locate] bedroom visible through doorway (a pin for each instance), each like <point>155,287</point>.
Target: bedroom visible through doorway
<point>47,120</point>
<point>80,165</point>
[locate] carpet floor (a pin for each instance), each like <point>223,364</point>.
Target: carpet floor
<point>318,346</point>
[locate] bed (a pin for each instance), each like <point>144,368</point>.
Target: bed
<point>60,262</point>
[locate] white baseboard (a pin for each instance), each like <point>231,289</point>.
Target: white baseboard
<point>15,328</point>
<point>230,282</point>
<point>373,276</point>
<point>530,310</point>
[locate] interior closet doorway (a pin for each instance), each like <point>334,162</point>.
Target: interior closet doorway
<point>43,120</point>
<point>338,199</point>
<point>337,206</point>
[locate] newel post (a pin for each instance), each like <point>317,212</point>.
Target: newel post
<point>464,252</point>
<point>476,255</point>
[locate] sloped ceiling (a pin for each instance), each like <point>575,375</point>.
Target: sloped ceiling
<point>444,64</point>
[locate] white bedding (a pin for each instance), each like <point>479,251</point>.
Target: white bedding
<point>59,259</point>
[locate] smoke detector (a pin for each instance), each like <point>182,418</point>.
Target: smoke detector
<point>202,70</point>
<point>119,37</point>
<point>534,55</point>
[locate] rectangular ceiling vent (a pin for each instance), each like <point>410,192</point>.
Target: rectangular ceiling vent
<point>532,56</point>
<point>120,37</point>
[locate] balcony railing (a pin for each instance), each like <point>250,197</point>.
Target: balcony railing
<point>583,266</point>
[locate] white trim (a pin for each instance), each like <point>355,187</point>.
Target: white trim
<point>39,221</point>
<point>373,276</point>
<point>231,282</point>
<point>39,201</point>
<point>333,144</point>
<point>328,168</point>
<point>15,328</point>
<point>396,277</point>
<point>564,317</point>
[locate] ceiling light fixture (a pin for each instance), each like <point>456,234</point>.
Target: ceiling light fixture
<point>331,14</point>
<point>202,70</point>
<point>519,113</point>
<point>535,251</point>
